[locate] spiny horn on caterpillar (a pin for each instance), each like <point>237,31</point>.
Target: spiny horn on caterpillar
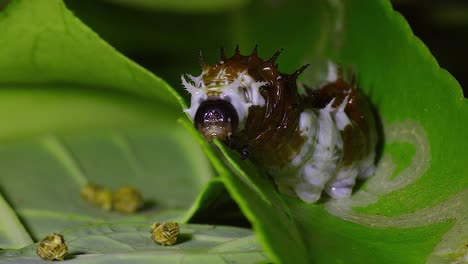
<point>273,58</point>
<point>202,62</point>
<point>222,54</point>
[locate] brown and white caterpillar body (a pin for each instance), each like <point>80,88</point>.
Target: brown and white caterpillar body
<point>320,141</point>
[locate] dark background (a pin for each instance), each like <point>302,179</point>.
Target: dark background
<point>443,26</point>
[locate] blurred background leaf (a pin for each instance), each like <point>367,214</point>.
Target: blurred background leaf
<point>74,110</point>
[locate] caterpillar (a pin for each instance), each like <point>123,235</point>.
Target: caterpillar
<point>310,143</point>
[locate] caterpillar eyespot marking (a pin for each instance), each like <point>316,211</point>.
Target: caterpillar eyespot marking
<point>318,141</point>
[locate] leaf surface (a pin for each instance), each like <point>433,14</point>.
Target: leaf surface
<point>76,111</point>
<point>124,243</point>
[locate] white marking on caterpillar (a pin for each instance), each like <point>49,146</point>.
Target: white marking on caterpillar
<point>341,118</point>
<point>242,92</point>
<point>317,165</point>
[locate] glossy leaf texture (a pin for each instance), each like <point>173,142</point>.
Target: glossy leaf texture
<point>131,243</point>
<point>413,210</point>
<point>75,111</point>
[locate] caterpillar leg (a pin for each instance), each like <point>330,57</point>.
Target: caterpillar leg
<point>342,185</point>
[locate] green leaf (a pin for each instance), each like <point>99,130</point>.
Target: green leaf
<point>45,193</point>
<point>414,208</point>
<point>53,49</point>
<point>77,111</point>
<point>61,64</point>
<point>14,233</point>
<point>125,243</point>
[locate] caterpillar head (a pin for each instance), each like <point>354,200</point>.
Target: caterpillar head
<point>245,99</point>
<point>223,93</point>
<point>216,118</point>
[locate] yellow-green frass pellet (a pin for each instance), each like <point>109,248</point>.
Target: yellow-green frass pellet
<point>52,247</point>
<point>165,233</point>
<point>127,200</point>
